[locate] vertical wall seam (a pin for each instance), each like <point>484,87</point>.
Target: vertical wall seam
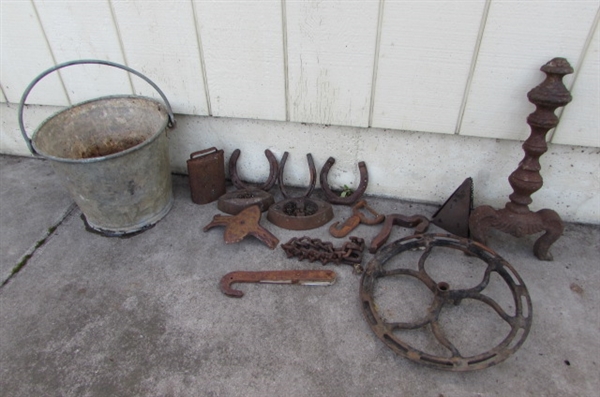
<point>473,66</point>
<point>286,80</point>
<point>201,55</point>
<point>586,48</point>
<point>60,78</point>
<point>4,94</point>
<point>121,44</point>
<point>376,62</point>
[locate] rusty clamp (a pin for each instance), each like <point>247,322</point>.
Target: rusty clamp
<point>419,222</point>
<point>356,219</point>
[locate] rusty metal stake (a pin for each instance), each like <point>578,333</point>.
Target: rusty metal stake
<point>516,218</point>
<point>356,219</point>
<point>243,224</point>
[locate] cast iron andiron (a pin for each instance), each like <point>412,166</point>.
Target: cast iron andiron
<point>516,218</point>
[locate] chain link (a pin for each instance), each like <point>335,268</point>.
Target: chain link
<point>314,249</point>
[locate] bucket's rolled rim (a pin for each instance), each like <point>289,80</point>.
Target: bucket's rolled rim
<point>112,155</point>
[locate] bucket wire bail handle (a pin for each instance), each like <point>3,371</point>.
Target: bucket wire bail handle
<point>171,122</point>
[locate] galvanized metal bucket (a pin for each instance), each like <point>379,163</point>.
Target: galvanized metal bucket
<point>112,154</point>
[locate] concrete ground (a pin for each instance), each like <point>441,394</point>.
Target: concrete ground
<point>86,315</point>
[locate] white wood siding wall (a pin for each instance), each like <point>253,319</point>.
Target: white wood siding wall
<point>450,67</point>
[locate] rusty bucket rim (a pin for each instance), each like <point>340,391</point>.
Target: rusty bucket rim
<point>139,146</point>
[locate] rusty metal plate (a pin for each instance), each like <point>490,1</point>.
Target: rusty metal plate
<point>453,216</point>
<point>515,312</point>
<point>300,213</point>
<point>240,226</point>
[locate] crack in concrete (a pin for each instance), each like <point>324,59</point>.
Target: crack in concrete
<point>29,254</point>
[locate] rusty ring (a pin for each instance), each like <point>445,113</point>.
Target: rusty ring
<point>444,295</point>
<point>354,197</point>
<point>313,175</point>
<point>237,182</point>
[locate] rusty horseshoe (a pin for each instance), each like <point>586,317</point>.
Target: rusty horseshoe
<point>354,197</point>
<point>237,182</point>
<point>311,168</point>
<point>339,231</point>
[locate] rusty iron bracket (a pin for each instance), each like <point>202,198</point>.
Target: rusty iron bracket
<point>445,296</point>
<point>243,224</point>
<point>237,182</point>
<point>339,231</point>
<point>332,197</point>
<point>300,213</point>
<point>303,277</point>
<point>516,218</point>
<point>419,222</point>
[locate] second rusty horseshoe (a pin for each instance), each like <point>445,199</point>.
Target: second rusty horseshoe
<point>311,168</point>
<point>349,200</point>
<point>237,182</point>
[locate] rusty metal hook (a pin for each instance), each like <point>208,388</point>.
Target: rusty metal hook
<point>237,182</point>
<point>419,222</point>
<point>349,200</point>
<point>356,219</point>
<point>313,175</point>
<point>303,277</point>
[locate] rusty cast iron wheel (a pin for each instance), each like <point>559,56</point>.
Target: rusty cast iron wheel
<point>443,296</point>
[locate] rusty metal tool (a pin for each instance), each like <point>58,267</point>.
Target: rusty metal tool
<point>356,219</point>
<point>334,198</point>
<point>419,222</point>
<point>303,277</point>
<point>245,223</point>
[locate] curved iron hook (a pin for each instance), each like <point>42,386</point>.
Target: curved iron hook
<point>354,197</point>
<point>339,231</point>
<point>237,182</point>
<point>313,175</point>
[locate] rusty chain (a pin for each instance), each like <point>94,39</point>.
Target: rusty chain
<point>314,249</point>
